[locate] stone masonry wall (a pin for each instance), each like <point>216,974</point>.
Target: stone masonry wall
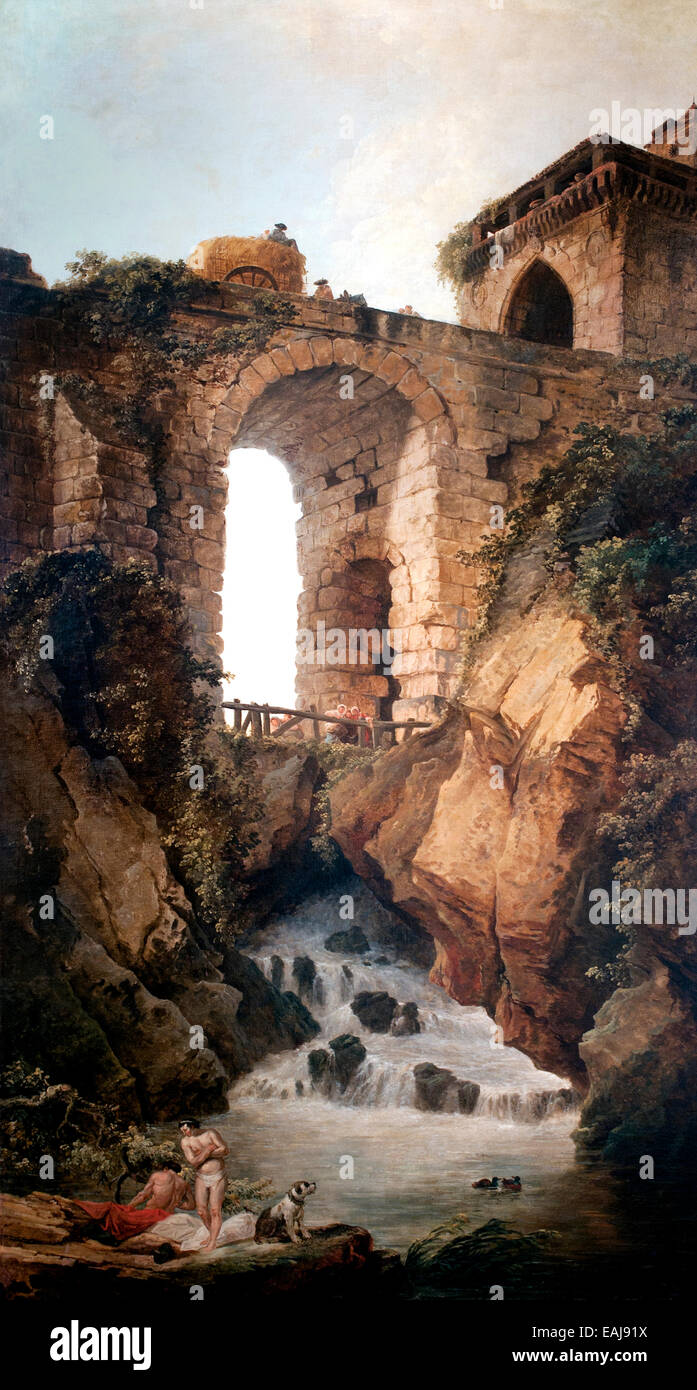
<point>588,256</point>
<point>399,435</point>
<point>660,296</point>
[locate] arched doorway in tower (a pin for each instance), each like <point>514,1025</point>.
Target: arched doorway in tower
<point>261,581</point>
<point>541,309</point>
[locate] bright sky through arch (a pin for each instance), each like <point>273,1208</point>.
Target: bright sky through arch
<point>261,583</point>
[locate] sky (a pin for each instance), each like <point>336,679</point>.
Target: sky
<point>262,583</point>
<point>369,127</point>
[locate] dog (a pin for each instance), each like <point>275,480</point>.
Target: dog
<point>285,1220</point>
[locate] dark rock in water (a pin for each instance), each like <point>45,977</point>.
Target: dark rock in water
<point>353,941</point>
<point>439,1089</point>
<point>436,1088</point>
<point>278,970</point>
<point>267,1020</point>
<point>332,1071</point>
<point>347,971</point>
<point>319,1064</point>
<point>405,1020</point>
<point>375,1010</point>
<point>467,1096</point>
<point>304,972</point>
<point>452,1259</point>
<point>544,1103</point>
<point>299,1088</point>
<point>349,1052</point>
<point>381,960</point>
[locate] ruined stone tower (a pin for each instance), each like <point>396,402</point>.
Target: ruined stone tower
<point>597,251</point>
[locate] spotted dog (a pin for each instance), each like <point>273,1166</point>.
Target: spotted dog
<point>285,1220</point>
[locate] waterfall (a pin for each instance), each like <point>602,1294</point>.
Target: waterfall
<point>503,1084</point>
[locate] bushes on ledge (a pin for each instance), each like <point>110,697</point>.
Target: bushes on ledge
<point>127,685</point>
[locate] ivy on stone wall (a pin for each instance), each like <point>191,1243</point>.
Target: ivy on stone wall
<point>596,514</point>
<point>130,306</point>
<point>671,371</point>
<point>618,517</point>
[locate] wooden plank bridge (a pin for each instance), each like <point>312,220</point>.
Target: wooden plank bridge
<point>256,722</point>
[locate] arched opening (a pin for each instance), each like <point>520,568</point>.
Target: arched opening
<point>261,582</point>
<point>541,308</point>
<point>363,673</point>
<point>340,434</point>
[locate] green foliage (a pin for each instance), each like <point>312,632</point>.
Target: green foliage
<point>336,760</point>
<point>452,253</point>
<point>650,836</point>
<point>677,370</point>
<point>656,818</point>
<point>131,306</point>
<point>597,510</point>
<point>128,685</point>
<point>19,1079</point>
<point>89,1145</point>
<point>246,1194</point>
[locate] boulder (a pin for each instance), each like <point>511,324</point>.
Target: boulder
<point>439,1089</point>
<point>330,1072</point>
<point>319,1065</point>
<point>304,972</point>
<point>352,942</point>
<point>286,781</point>
<point>405,1020</point>
<point>122,974</point>
<point>374,1010</point>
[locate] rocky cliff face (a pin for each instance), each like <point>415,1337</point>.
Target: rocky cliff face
<point>483,830</point>
<point>110,985</point>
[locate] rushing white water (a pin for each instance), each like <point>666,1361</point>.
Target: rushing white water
<point>407,1168</point>
<point>462,1040</point>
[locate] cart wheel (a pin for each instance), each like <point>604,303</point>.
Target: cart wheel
<point>251,275</point>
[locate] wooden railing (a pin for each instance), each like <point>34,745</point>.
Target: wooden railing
<point>257,722</point>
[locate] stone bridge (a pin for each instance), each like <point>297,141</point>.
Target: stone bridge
<point>399,435</point>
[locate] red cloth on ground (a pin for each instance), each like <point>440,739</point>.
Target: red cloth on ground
<point>123,1222</point>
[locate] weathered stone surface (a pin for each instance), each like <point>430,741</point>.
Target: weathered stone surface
<point>44,1251</point>
<point>104,999</point>
<point>380,474</point>
<point>330,1072</point>
<point>439,1089</point>
<point>352,942</point>
<point>304,972</point>
<point>490,868</point>
<point>405,1021</point>
<point>483,831</point>
<point>286,784</point>
<point>374,1010</point>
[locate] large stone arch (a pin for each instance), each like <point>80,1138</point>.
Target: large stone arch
<point>362,433</point>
